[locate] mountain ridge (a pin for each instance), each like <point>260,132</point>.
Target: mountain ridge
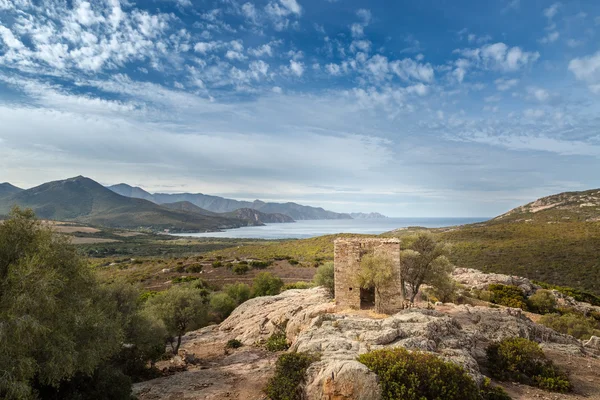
<point>225,205</point>
<point>84,200</point>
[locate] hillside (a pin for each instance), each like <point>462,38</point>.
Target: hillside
<point>258,217</point>
<point>6,189</point>
<point>372,215</point>
<point>568,206</point>
<point>84,200</point>
<point>223,205</point>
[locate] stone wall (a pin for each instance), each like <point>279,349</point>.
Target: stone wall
<point>348,253</point>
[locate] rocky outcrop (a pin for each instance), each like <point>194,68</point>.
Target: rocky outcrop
<point>475,279</point>
<point>458,333</point>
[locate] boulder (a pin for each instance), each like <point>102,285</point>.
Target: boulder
<point>475,279</point>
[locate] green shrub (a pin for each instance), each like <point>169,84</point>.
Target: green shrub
<point>521,360</point>
<point>577,294</point>
<point>222,305</point>
<point>266,284</point>
<point>240,292</point>
<point>294,262</point>
<point>194,268</point>
<point>325,277</point>
<point>574,324</point>
<point>260,264</point>
<point>507,295</point>
<point>184,279</point>
<point>417,375</point>
<point>542,302</point>
<point>297,285</point>
<point>489,392</point>
<point>277,342</point>
<point>240,269</point>
<point>217,264</point>
<point>233,344</point>
<point>289,374</point>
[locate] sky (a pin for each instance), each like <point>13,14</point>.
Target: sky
<point>429,108</point>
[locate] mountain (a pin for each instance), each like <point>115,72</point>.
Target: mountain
<point>372,215</point>
<point>223,205</point>
<point>84,200</point>
<point>132,191</point>
<point>6,189</point>
<point>574,206</point>
<point>252,215</point>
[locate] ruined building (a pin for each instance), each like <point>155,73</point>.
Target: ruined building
<point>348,294</point>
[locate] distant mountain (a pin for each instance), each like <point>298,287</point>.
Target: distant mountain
<point>84,200</point>
<point>249,216</point>
<point>567,206</point>
<point>255,216</point>
<point>6,189</point>
<point>223,205</point>
<point>372,215</point>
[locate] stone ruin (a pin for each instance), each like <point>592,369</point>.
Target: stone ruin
<point>348,253</point>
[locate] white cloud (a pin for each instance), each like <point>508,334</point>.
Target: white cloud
<point>551,11</point>
<point>551,37</point>
<point>505,84</point>
<point>575,43</point>
<point>538,94</point>
<point>360,45</point>
<point>292,6</point>
<point>587,69</point>
<point>205,47</point>
<point>296,68</point>
<point>408,69</point>
<point>333,69</point>
<point>499,56</point>
<point>533,113</point>
<point>235,55</point>
<point>249,11</point>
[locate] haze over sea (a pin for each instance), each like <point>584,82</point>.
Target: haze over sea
<point>312,228</point>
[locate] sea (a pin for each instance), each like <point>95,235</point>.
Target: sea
<point>312,228</point>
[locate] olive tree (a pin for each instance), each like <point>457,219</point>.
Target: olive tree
<point>181,309</point>
<point>376,271</point>
<point>325,277</point>
<point>424,262</point>
<point>53,319</point>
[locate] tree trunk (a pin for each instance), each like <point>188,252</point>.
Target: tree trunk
<point>176,350</point>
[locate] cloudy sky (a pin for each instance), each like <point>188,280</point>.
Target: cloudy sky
<point>412,108</point>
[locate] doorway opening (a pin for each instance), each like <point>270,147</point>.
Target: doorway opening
<point>367,298</point>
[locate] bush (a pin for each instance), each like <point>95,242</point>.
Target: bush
<point>222,305</point>
<point>266,284</point>
<point>233,344</point>
<point>289,374</point>
<point>260,264</point>
<point>240,269</point>
<point>542,302</point>
<point>521,360</point>
<point>194,268</point>
<point>574,324</point>
<point>577,294</point>
<point>184,279</point>
<point>294,262</point>
<point>417,375</point>
<point>297,285</point>
<point>325,277</point>
<point>217,264</point>
<point>240,292</point>
<point>489,392</point>
<point>277,342</point>
<point>507,295</point>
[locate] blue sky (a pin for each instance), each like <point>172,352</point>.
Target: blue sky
<point>412,108</point>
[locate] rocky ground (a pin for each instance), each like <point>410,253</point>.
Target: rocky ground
<point>459,333</point>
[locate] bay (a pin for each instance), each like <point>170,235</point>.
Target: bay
<point>312,228</point>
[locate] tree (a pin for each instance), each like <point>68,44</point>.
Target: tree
<point>222,304</point>
<point>53,320</point>
<point>266,284</point>
<point>424,262</point>
<point>181,309</point>
<point>376,271</point>
<point>240,292</point>
<point>325,277</point>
